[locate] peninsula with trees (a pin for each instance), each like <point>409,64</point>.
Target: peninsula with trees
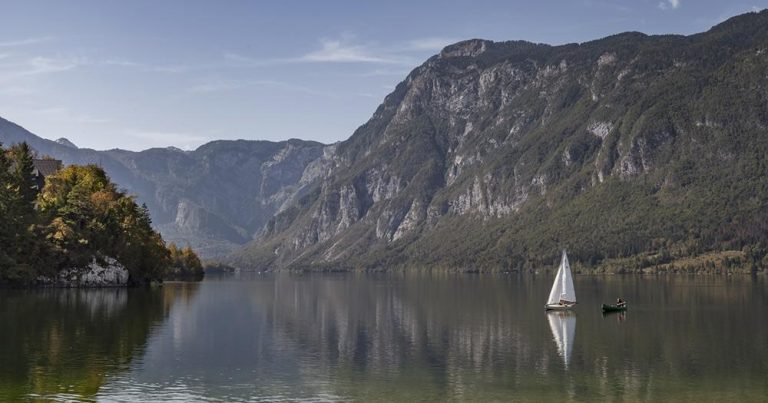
<point>71,226</point>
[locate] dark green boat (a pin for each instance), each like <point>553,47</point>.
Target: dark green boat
<point>614,308</point>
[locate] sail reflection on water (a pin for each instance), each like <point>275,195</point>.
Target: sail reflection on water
<point>563,325</point>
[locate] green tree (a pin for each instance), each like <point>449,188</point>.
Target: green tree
<point>20,244</point>
<point>7,223</point>
<point>22,176</point>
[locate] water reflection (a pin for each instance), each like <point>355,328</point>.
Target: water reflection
<point>445,330</point>
<point>67,342</point>
<point>620,316</point>
<point>563,326</point>
<point>450,337</point>
<point>345,336</point>
<point>390,338</point>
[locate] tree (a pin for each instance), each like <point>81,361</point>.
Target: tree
<point>79,216</point>
<point>192,262</point>
<point>7,223</point>
<point>19,244</point>
<point>23,166</point>
<point>87,217</point>
<point>184,263</point>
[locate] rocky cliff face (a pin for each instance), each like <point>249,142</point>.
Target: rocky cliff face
<point>214,198</point>
<point>506,138</point>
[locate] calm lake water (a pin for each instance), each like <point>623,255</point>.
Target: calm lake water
<point>388,338</point>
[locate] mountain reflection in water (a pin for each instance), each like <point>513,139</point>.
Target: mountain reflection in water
<point>391,337</point>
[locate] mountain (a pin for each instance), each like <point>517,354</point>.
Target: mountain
<point>213,198</point>
<point>66,142</point>
<point>632,148</point>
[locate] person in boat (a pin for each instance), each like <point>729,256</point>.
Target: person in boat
<point>620,302</point>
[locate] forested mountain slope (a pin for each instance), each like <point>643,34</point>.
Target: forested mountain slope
<point>497,155</point>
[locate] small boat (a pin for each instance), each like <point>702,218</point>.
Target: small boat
<point>614,307</point>
<point>562,297</point>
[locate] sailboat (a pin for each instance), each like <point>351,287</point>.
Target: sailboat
<point>563,326</point>
<point>563,296</point>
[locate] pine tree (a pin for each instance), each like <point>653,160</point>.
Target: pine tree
<point>22,174</point>
<point>7,223</point>
<point>20,246</point>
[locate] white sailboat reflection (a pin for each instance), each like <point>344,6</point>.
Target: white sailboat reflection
<point>563,325</point>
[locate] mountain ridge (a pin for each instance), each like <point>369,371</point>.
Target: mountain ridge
<point>203,197</point>
<point>504,137</point>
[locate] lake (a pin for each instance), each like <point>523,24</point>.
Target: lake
<point>388,337</point>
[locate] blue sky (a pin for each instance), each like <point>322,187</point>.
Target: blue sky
<point>139,74</point>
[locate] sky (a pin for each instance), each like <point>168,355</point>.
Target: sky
<point>140,74</point>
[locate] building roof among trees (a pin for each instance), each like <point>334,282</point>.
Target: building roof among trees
<point>47,167</point>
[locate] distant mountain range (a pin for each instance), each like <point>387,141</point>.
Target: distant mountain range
<point>495,155</point>
<point>214,198</point>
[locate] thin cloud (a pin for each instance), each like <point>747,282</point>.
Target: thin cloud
<point>17,91</point>
<point>44,65</point>
<point>345,50</point>
<point>334,51</point>
<point>289,86</point>
<point>25,42</point>
<point>669,4</point>
<point>223,85</point>
<point>39,65</point>
<point>240,59</point>
<point>122,63</point>
<point>174,69</point>
<point>153,138</point>
<point>64,114</point>
<point>215,86</point>
<point>385,73</point>
<point>432,44</point>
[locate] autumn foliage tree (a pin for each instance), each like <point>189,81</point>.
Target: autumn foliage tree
<point>87,217</point>
<point>184,263</point>
<point>78,217</point>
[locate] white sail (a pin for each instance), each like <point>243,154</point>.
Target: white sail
<point>554,293</point>
<point>562,288</point>
<point>569,293</point>
<point>563,326</point>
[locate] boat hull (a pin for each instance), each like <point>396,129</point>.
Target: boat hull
<point>558,307</point>
<point>614,308</point>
